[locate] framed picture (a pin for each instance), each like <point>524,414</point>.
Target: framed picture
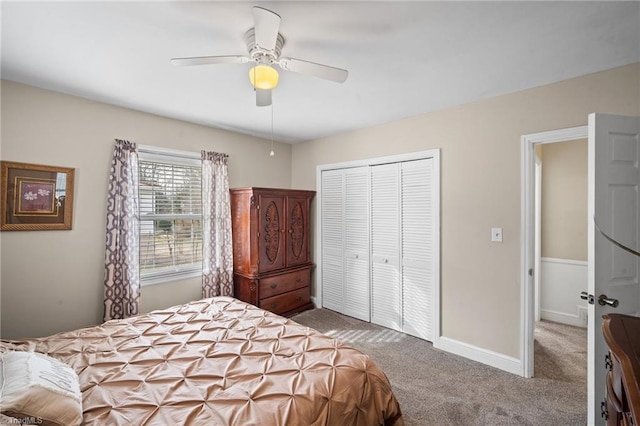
<point>35,197</point>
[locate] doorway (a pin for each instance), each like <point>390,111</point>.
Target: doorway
<point>560,270</point>
<point>530,296</point>
<point>561,232</point>
<point>613,157</point>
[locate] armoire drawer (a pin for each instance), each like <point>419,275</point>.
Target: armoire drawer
<point>286,302</point>
<point>279,284</point>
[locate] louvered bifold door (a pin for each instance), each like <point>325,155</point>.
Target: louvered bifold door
<point>386,294</point>
<point>332,239</point>
<point>356,243</point>
<point>418,247</point>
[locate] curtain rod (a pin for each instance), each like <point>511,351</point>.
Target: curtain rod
<point>147,149</point>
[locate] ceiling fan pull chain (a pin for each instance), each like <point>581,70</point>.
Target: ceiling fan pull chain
<point>272,153</point>
<point>253,70</point>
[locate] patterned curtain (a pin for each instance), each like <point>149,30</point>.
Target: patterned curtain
<point>121,274</point>
<point>217,259</point>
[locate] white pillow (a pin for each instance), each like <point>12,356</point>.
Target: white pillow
<point>39,388</point>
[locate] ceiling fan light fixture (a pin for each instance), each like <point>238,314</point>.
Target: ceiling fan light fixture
<point>263,77</point>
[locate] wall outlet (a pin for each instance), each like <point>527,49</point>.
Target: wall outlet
<point>496,235</point>
<point>583,315</point>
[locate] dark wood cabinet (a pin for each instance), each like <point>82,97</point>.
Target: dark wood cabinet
<point>622,334</point>
<point>271,259</point>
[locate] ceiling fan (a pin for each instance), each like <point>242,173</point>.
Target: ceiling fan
<point>264,44</point>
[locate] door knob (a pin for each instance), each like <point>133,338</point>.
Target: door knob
<point>604,300</point>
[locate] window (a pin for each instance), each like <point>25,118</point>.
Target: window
<point>170,204</point>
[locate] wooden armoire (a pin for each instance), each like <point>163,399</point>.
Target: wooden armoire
<point>271,260</point>
<point>622,388</point>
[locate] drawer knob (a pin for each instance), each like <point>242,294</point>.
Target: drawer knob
<point>299,299</point>
<point>298,280</point>
<point>274,305</point>
<point>273,286</point>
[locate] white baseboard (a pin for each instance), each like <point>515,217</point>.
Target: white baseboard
<point>484,356</point>
<point>313,300</point>
<point>564,261</point>
<point>563,318</point>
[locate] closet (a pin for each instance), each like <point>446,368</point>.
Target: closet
<point>380,241</point>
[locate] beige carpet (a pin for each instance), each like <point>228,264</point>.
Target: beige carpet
<point>437,388</point>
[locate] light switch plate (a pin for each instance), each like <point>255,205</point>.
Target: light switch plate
<point>496,235</point>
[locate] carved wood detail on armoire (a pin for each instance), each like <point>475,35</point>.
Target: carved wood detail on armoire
<point>271,255</point>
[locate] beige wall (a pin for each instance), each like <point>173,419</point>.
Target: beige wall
<point>52,280</point>
<point>564,200</point>
<point>480,188</point>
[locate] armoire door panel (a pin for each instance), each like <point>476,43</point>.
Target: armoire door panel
<point>297,222</point>
<point>271,238</point>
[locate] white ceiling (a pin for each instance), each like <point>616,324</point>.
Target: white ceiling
<point>404,58</point>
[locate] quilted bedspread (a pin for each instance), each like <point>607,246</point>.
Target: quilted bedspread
<point>219,362</point>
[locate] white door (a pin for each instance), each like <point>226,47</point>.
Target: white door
<point>332,239</point>
<point>614,201</point>
<point>419,245</point>
<point>356,243</point>
<point>345,241</point>
<point>403,246</point>
<point>386,292</point>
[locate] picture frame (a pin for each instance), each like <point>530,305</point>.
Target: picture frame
<point>35,197</point>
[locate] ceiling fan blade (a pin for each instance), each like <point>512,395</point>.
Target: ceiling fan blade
<point>263,97</point>
<point>209,60</point>
<point>267,24</point>
<point>317,70</point>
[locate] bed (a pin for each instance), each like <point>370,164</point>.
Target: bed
<point>217,361</point>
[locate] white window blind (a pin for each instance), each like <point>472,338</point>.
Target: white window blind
<point>170,205</point>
